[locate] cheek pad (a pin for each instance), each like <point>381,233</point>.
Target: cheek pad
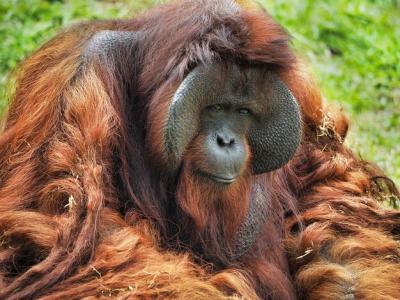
<point>276,139</point>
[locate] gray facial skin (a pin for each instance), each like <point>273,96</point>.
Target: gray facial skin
<point>225,127</point>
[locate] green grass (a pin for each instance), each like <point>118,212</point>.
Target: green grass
<point>352,46</point>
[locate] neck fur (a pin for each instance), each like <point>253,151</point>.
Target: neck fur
<point>212,213</point>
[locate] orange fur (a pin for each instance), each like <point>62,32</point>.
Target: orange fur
<point>87,211</point>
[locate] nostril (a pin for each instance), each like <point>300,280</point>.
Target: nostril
<point>225,141</point>
<point>220,141</point>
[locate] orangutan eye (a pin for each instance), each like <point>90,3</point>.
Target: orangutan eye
<point>243,111</point>
<point>216,107</point>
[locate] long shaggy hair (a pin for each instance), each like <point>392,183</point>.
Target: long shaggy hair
<point>86,209</point>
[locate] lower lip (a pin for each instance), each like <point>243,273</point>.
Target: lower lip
<point>222,180</point>
<point>216,178</point>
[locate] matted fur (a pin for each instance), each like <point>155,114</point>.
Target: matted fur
<point>86,209</point>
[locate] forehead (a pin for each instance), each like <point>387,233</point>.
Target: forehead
<point>237,85</point>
